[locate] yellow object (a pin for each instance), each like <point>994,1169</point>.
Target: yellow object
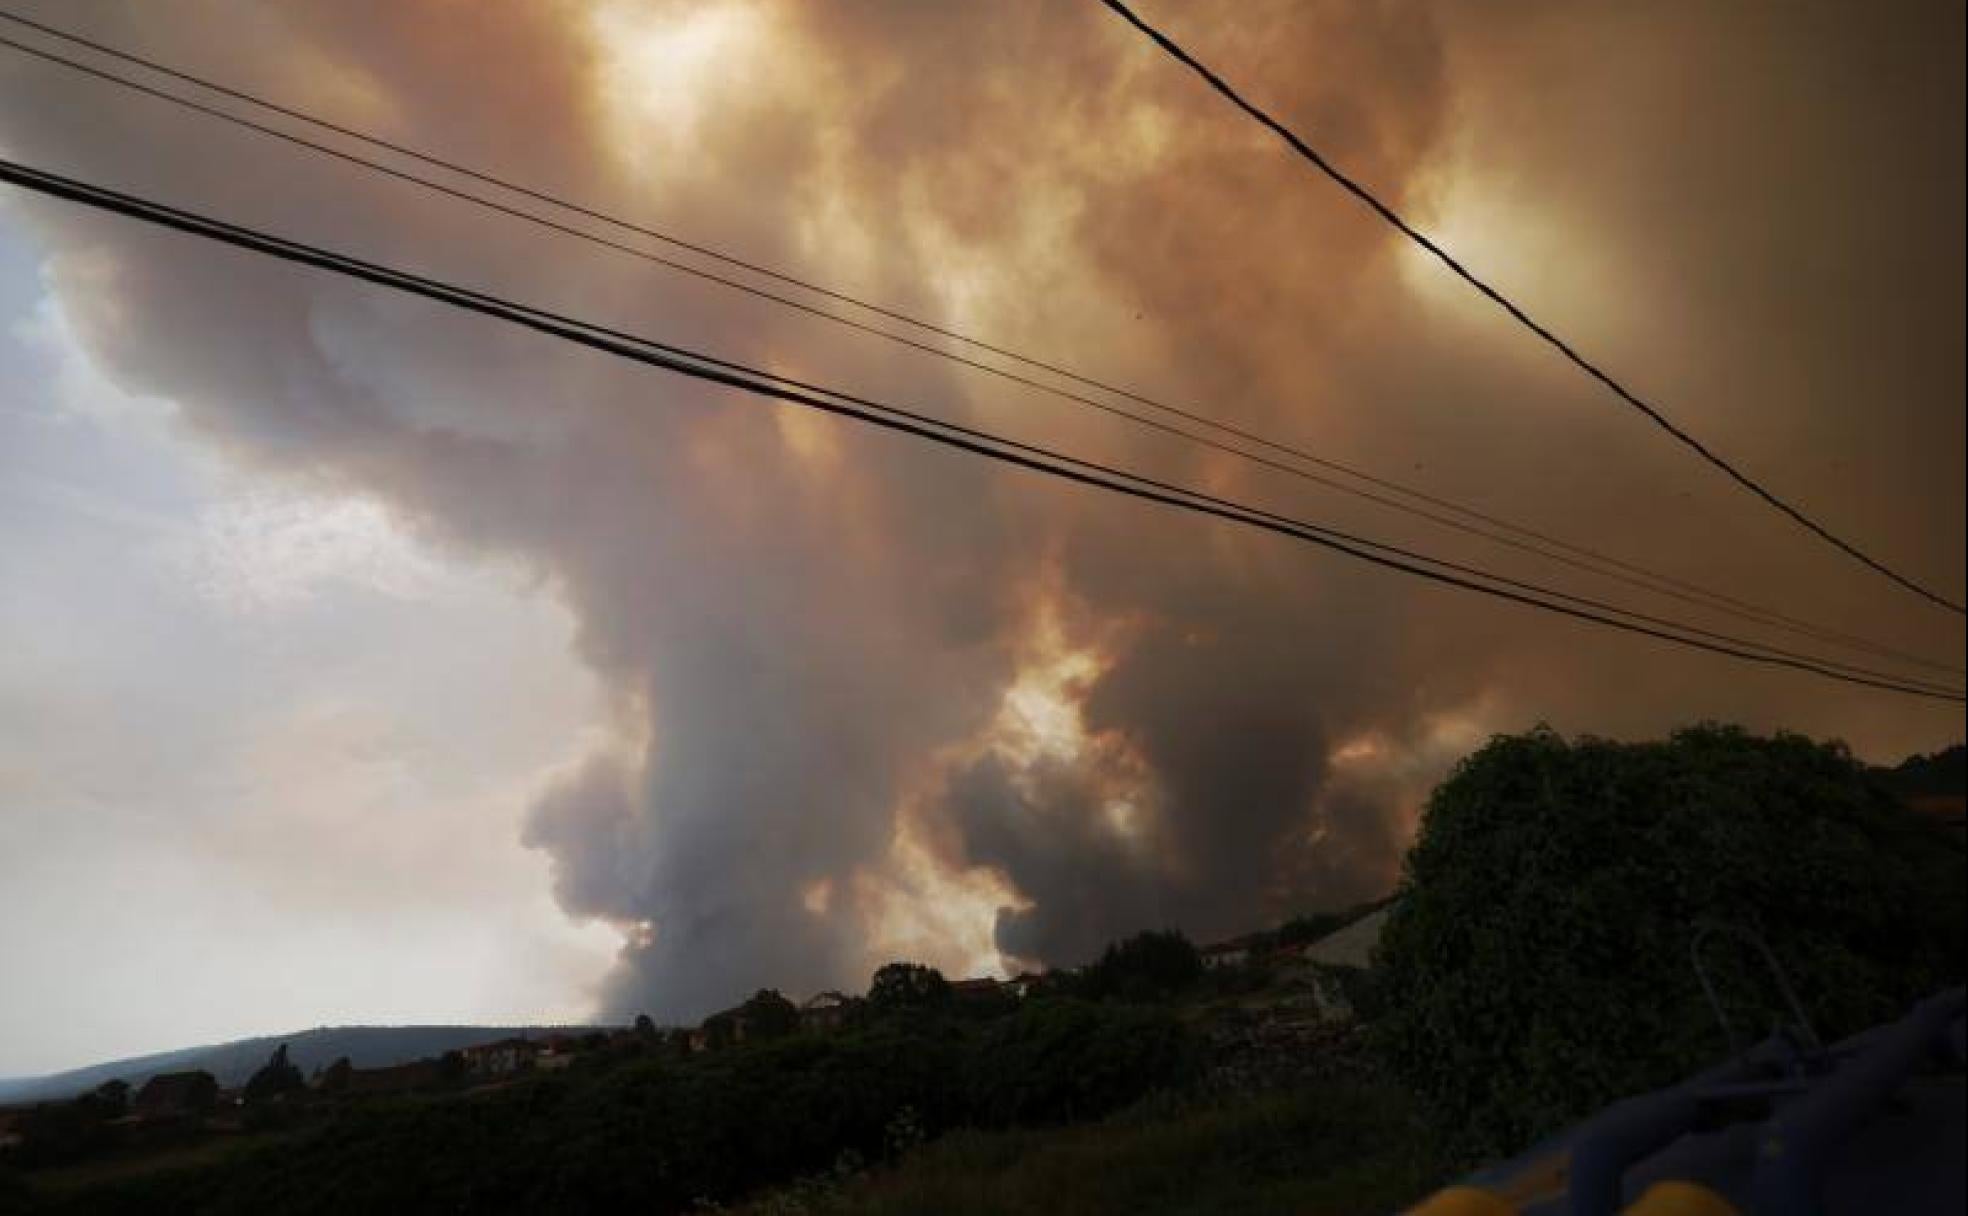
<point>1681,1199</point>
<point>1540,1181</point>
<point>1463,1201</point>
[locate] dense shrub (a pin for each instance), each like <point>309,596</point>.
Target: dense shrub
<point>278,1077</point>
<point>1348,1147</point>
<point>1144,967</point>
<point>1055,1061</point>
<point>657,1133</point>
<point>907,986</point>
<point>768,1015</point>
<point>1537,965</point>
<point>57,1133</point>
<point>15,1195</point>
<point>1944,772</point>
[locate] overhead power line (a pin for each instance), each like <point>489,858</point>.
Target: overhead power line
<point>1517,313</point>
<point>1036,459</point>
<point>1566,553</point>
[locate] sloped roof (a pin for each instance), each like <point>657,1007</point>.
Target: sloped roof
<point>1352,946</point>
<point>1235,945</point>
<point>481,1049</point>
<point>171,1089</point>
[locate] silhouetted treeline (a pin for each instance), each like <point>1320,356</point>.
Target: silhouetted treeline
<point>654,1130</point>
<point>1943,772</point>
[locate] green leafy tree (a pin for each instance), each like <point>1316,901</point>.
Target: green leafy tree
<point>1944,772</point>
<point>768,1015</point>
<point>203,1095</point>
<point>721,1030</point>
<point>655,1133</point>
<point>1537,964</point>
<point>899,986</point>
<point>111,1098</point>
<point>58,1133</point>
<point>1060,1060</point>
<point>275,1078</point>
<point>1147,966</point>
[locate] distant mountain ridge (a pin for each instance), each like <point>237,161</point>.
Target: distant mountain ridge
<point>232,1063</point>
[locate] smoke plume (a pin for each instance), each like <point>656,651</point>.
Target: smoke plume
<point>871,698</point>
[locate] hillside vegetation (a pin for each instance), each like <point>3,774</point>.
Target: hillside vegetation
<point>641,1126</point>
<point>1534,966</point>
<point>1538,963</point>
<point>231,1063</point>
<point>1334,1150</point>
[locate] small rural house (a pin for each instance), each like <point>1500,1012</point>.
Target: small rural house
<point>171,1094</point>
<point>502,1058</point>
<point>980,991</point>
<point>395,1079</point>
<point>1233,953</point>
<point>825,1011</point>
<point>1022,984</point>
<point>1352,946</point>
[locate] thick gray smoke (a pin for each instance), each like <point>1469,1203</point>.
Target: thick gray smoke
<point>810,630</point>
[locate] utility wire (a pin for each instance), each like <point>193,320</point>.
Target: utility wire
<point>1620,571</point>
<point>617,335</point>
<point>707,368</point>
<point>1518,314</point>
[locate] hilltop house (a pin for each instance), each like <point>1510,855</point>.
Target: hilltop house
<point>173,1094</point>
<point>499,1059</point>
<point>556,1053</point>
<point>396,1079</point>
<point>1352,946</point>
<point>1233,953</point>
<point>726,1028</point>
<point>826,1011</point>
<point>980,991</point>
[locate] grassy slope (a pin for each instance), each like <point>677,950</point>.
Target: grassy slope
<point>122,1168</point>
<point>1346,1149</point>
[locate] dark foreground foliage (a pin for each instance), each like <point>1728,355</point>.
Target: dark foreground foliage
<point>1944,772</point>
<point>1538,965</point>
<point>1536,968</point>
<point>1147,966</point>
<point>1331,1150</point>
<point>661,1133</point>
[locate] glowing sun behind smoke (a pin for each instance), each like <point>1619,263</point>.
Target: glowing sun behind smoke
<point>661,72</point>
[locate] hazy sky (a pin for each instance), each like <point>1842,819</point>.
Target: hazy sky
<point>365,662</point>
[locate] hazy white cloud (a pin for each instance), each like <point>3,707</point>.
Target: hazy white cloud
<point>264,755</point>
<point>276,549</point>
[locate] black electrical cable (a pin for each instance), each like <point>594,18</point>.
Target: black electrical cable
<point>978,443</point>
<point>1523,318</point>
<point>1635,576</point>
